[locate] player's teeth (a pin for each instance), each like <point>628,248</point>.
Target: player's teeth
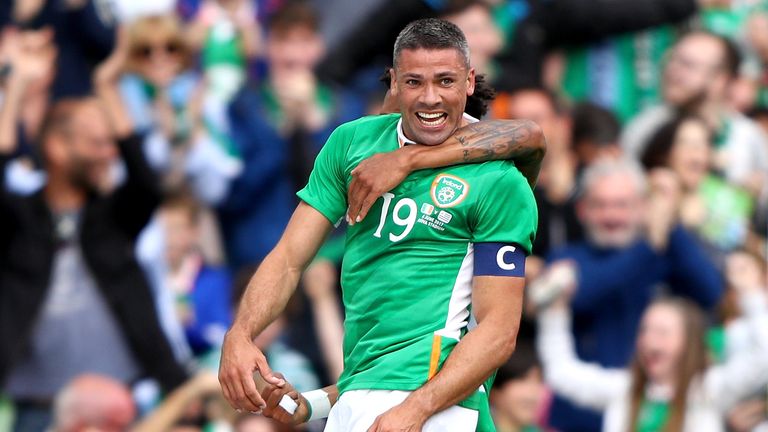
<point>430,116</point>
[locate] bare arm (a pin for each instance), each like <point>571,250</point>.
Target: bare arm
<point>497,303</point>
<point>105,81</point>
<point>265,298</point>
<point>9,115</point>
<point>31,56</point>
<point>175,405</point>
<point>520,141</point>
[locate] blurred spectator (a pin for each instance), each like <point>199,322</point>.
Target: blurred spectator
<point>518,394</point>
<point>197,405</point>
<point>712,208</point>
<point>635,245</point>
<point>475,19</point>
<point>594,134</point>
<point>228,36</point>
<point>744,271</point>
<point>278,127</point>
<point>697,77</point>
<point>669,385</point>
<point>93,402</point>
<point>167,101</point>
<point>71,285</point>
<point>558,224</point>
<point>84,33</point>
<point>201,291</point>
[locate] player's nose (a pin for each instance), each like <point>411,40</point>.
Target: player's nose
<point>430,97</point>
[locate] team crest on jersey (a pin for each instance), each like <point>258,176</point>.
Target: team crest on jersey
<point>448,190</point>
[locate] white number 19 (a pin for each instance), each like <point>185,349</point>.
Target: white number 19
<point>408,222</point>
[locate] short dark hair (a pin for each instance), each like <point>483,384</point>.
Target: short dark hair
<point>522,361</point>
<point>182,199</point>
<point>293,14</point>
<point>552,98</point>
<point>656,153</point>
<point>594,123</point>
<point>431,33</point>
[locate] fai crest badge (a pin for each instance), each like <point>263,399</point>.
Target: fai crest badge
<point>448,190</point>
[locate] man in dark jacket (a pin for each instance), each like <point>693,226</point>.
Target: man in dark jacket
<point>73,298</point>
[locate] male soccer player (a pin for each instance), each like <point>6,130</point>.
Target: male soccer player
<point>444,243</point>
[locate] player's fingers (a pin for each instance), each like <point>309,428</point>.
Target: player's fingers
<point>294,394</point>
<point>227,393</point>
<point>248,396</point>
<point>228,381</point>
<point>367,204</point>
<point>359,199</point>
<point>266,372</point>
<point>272,399</point>
<point>354,185</point>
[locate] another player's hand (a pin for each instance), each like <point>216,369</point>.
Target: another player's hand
<point>240,358</point>
<point>272,395</point>
<point>373,177</point>
<point>401,418</point>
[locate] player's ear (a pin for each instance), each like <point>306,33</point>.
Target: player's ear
<point>392,81</point>
<point>471,82</point>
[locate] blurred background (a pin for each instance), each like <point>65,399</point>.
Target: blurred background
<point>121,269</point>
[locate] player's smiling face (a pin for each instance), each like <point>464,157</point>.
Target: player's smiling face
<point>431,87</point>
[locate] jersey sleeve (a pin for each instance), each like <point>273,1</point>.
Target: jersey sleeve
<point>507,212</point>
<point>326,189</point>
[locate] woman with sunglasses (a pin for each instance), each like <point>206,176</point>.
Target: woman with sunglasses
<point>167,99</point>
<point>669,385</point>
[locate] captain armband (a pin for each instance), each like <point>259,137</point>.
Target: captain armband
<point>499,259</point>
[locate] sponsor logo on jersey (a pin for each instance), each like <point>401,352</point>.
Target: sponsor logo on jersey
<point>448,190</point>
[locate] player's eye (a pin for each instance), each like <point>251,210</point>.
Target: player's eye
<point>446,81</point>
<point>412,83</point>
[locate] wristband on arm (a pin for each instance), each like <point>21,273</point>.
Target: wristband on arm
<point>318,404</point>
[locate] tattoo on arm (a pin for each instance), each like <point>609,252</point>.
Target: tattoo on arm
<point>520,140</point>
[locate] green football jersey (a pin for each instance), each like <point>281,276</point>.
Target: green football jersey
<point>407,271</point>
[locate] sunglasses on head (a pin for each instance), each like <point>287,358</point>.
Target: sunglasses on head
<point>145,51</point>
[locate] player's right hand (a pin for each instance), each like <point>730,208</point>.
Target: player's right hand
<point>273,395</point>
<point>373,177</point>
<point>240,358</point>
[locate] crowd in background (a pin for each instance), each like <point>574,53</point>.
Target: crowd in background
<point>150,152</point>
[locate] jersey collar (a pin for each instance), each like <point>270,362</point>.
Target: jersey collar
<point>401,138</point>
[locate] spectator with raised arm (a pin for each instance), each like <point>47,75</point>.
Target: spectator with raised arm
<point>669,385</point>
<point>73,298</point>
<point>634,248</point>
<point>84,33</point>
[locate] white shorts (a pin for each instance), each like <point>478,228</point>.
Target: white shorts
<point>356,410</point>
